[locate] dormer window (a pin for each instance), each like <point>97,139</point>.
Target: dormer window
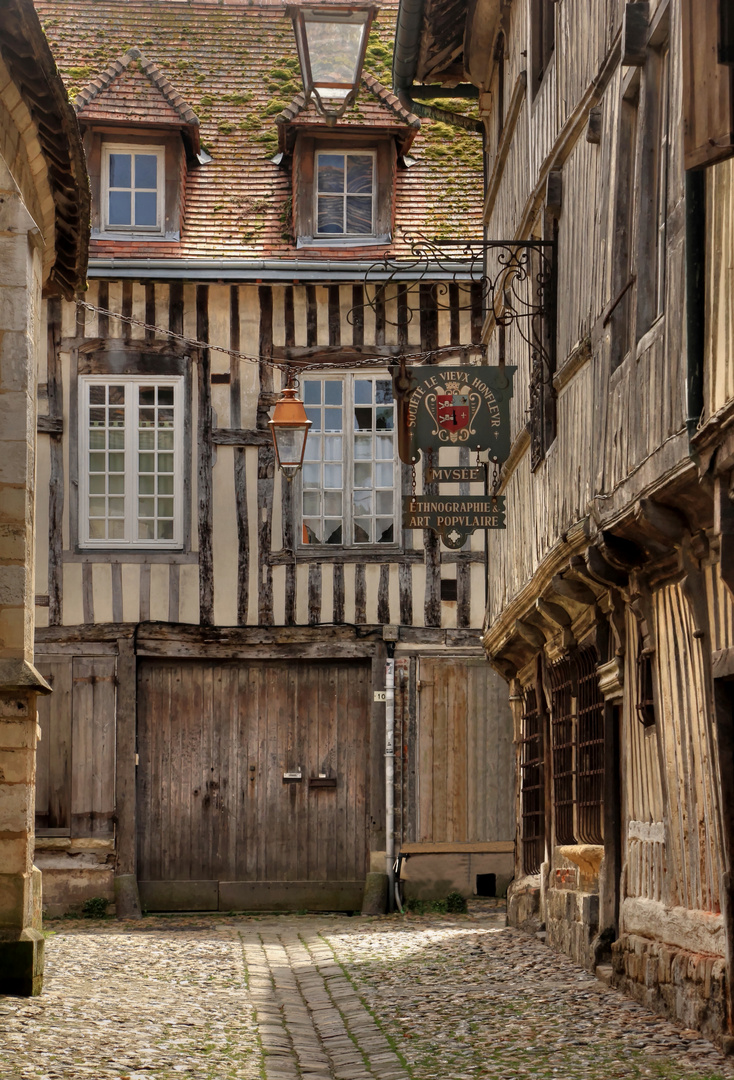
<point>344,179</point>
<point>133,187</point>
<point>140,139</point>
<point>345,193</point>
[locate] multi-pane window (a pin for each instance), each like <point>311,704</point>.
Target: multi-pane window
<point>345,184</point>
<point>348,476</point>
<point>130,462</point>
<point>132,188</point>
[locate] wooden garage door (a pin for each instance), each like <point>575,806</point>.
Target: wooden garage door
<point>218,825</point>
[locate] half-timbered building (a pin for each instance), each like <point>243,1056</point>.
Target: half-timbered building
<point>215,634</point>
<point>610,593</point>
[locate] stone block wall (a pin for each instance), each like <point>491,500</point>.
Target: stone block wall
<point>572,924</point>
<point>687,986</point>
<point>523,906</point>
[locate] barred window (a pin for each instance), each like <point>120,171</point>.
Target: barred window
<point>532,780</point>
<point>590,771</point>
<point>563,740</point>
<point>577,737</point>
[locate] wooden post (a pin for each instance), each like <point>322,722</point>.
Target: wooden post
<point>127,900</point>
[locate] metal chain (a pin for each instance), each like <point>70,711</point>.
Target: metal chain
<point>284,366</point>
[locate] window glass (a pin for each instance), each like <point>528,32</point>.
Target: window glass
<point>133,180</point>
<point>348,477</point>
<point>132,481</point>
<point>345,194</point>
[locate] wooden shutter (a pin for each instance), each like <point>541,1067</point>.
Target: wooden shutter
<point>708,90</point>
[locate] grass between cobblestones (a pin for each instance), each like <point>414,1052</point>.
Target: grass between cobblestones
<point>456,998</point>
<point>466,1001</point>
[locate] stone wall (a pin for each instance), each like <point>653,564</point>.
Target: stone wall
<point>690,987</point>
<point>572,924</point>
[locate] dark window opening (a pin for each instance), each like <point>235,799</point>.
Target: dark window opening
<point>486,884</point>
<point>563,742</point>
<point>532,781</point>
<point>590,794</point>
<point>543,29</point>
<point>645,704</point>
<point>449,589</point>
<point>577,737</point>
<point>499,55</point>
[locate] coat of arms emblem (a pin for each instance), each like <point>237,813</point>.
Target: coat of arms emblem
<point>453,408</point>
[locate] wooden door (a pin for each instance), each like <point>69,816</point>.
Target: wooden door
<point>75,765</point>
<point>465,752</point>
<point>219,826</point>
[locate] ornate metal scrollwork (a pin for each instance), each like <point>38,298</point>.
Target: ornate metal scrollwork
<point>515,280</point>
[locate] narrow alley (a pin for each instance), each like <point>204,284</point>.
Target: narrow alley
<point>330,998</point>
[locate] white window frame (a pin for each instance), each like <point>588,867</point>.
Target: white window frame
<point>337,237</point>
<point>136,148</point>
<point>131,384</point>
<point>348,380</point>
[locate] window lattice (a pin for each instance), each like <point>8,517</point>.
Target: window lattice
<point>532,784</point>
<point>563,741</point>
<point>590,750</point>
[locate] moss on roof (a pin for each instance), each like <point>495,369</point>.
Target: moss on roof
<point>235,64</point>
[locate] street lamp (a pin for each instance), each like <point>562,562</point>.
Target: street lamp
<point>289,427</point>
<point>331,42</point>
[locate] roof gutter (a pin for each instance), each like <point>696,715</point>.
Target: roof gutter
<point>265,270</point>
<point>405,63</point>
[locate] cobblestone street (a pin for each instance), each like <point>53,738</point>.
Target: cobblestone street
<point>330,998</point>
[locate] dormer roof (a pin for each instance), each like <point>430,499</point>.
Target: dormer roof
<point>235,64</point>
<point>133,91</point>
<point>377,109</point>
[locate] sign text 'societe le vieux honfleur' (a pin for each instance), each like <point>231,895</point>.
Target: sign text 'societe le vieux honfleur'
<point>456,407</point>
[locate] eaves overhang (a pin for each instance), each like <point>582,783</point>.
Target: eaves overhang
<point>269,270</point>
<point>26,53</point>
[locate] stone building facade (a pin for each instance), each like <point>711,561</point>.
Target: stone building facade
<point>44,216</point>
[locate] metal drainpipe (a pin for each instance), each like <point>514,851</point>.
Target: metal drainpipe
<point>695,298</point>
<point>390,774</point>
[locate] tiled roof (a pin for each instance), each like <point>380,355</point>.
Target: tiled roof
<point>377,107</point>
<point>132,90</point>
<point>234,62</point>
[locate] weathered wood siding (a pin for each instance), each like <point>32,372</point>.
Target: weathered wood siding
<point>215,740</point>
<point>465,753</point>
<point>612,426</point>
<point>237,566</point>
<point>719,362</point>
<point>76,761</point>
<point>689,753</point>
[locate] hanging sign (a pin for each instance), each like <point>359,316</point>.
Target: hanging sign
<point>460,474</point>
<point>454,517</point>
<point>465,407</point>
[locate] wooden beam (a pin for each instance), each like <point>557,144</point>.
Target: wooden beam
<point>450,847</point>
<point>50,425</point>
<point>635,21</point>
<point>127,901</point>
<point>240,437</point>
<point>324,354</point>
<point>205,479</point>
<point>530,633</point>
<point>265,464</point>
<point>573,590</point>
<point>56,454</point>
